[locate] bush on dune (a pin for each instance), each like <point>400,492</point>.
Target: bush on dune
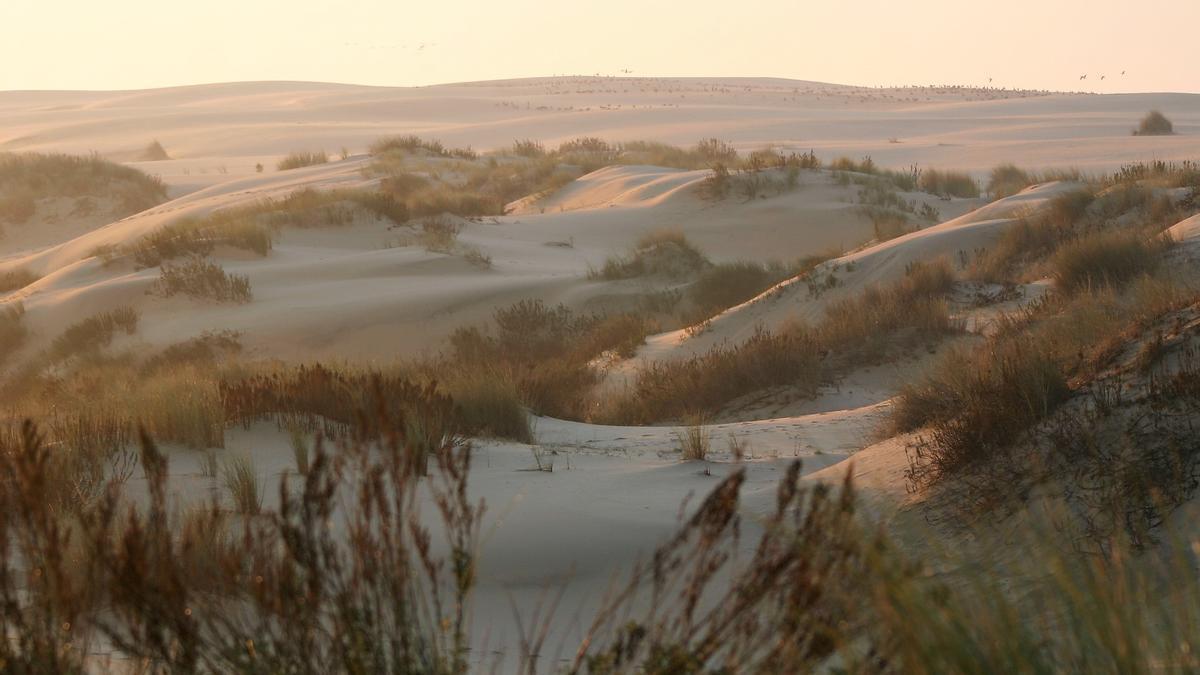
<point>26,177</point>
<point>1007,180</point>
<point>666,253</point>
<point>798,356</point>
<point>1106,259</point>
<point>299,160</point>
<point>94,333</point>
<point>948,183</point>
<point>200,278</point>
<point>1154,124</point>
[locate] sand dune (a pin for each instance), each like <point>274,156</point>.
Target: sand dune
<point>243,123</point>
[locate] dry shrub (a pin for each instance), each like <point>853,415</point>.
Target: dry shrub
<point>206,349</point>
<point>1106,259</point>
<point>439,236</point>
<point>1007,180</point>
<point>729,284</point>
<point>241,479</point>
<point>867,323</point>
<point>1154,124</point>
<point>798,356</point>
<point>93,333</point>
<point>703,383</point>
<point>976,404</point>
<point>1032,239</point>
<point>665,253</point>
<point>39,176</point>
<point>547,352</point>
<point>154,152</point>
<point>694,440</point>
<point>201,278</point>
<point>948,183</point>
<point>297,160</point>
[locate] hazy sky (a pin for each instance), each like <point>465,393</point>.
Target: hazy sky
<point>119,44</point>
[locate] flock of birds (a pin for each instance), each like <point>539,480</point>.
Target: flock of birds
<point>1084,76</point>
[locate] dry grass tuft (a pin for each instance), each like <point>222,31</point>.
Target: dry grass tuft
<point>241,479</point>
<point>297,160</point>
<point>94,333</point>
<point>201,278</point>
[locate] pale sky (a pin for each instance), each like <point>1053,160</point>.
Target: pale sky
<point>126,44</point>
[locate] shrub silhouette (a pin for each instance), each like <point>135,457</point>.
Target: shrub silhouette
<point>1154,124</point>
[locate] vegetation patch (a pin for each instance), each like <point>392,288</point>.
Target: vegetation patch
<point>202,278</point>
<point>94,333</point>
<point>298,160</point>
<point>29,177</point>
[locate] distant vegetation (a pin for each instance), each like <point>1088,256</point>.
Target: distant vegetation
<point>1154,124</point>
<point>252,228</point>
<point>26,178</point>
<point>298,160</point>
<point>154,152</point>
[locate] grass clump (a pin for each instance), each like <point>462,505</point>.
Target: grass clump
<point>1106,259</point>
<point>726,285</point>
<point>664,253</point>
<point>199,277</point>
<point>16,279</point>
<point>204,350</point>
<point>94,333</point>
<point>252,228</point>
<point>1154,124</point>
<point>241,479</point>
<point>694,441</point>
<point>28,177</point>
<point>548,353</point>
<point>411,144</point>
<point>948,183</point>
<point>439,236</point>
<point>297,160</point>
<point>797,356</point>
<point>1007,180</point>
